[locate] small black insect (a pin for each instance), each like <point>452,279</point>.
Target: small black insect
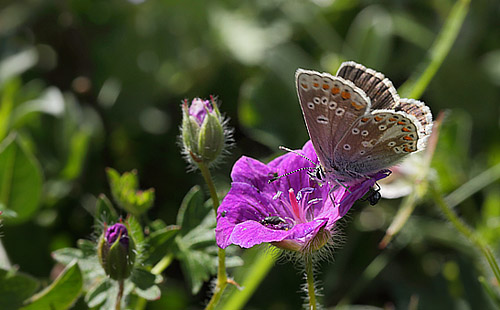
<point>272,220</point>
<point>373,195</point>
<point>223,214</point>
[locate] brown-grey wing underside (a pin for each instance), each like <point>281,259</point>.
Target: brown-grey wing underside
<point>377,141</point>
<point>330,105</point>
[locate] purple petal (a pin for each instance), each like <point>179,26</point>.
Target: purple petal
<point>198,109</point>
<point>243,202</point>
<point>251,171</point>
<point>250,233</point>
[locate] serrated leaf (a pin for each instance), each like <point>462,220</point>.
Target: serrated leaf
<point>124,189</point>
<point>61,294</point>
<point>159,243</point>
<point>20,180</point>
<point>15,288</point>
<point>197,266</point>
<point>192,210</point>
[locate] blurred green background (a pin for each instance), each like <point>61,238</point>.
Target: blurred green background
<point>95,84</point>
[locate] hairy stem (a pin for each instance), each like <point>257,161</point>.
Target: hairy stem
<point>221,284</point>
<point>310,282</point>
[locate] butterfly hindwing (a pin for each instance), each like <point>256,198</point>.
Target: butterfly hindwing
<point>328,103</point>
<point>377,141</point>
<point>377,87</point>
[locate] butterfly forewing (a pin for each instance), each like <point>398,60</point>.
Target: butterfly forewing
<point>377,87</point>
<point>377,141</point>
<point>328,104</point>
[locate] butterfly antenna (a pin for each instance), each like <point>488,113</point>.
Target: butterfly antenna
<point>284,148</point>
<point>288,173</point>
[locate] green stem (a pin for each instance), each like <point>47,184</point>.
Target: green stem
<point>467,232</point>
<point>310,282</point>
<point>119,295</point>
<point>221,284</point>
<point>162,264</point>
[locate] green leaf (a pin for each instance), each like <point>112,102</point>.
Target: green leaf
<point>61,294</point>
<point>20,179</point>
<point>86,256</point>
<point>104,211</point>
<point>99,293</point>
<point>124,189</point>
<point>135,229</point>
<point>14,288</point>
<point>197,266</point>
<point>192,210</point>
<point>145,283</point>
<point>159,243</point>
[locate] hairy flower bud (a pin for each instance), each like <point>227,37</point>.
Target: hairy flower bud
<point>116,251</point>
<point>204,135</point>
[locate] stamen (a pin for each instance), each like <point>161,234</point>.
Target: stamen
<point>296,209</point>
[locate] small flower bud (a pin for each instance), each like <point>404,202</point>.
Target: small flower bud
<point>204,135</point>
<point>116,251</point>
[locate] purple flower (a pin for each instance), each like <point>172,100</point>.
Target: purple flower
<point>116,231</point>
<point>293,212</point>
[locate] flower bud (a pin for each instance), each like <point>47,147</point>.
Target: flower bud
<point>116,252</point>
<point>204,134</point>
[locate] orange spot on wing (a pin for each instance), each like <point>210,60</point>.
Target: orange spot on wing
<point>401,123</point>
<point>405,129</point>
<point>356,105</point>
<point>407,149</point>
<point>407,138</point>
<point>326,86</point>
<point>365,119</point>
<point>392,119</point>
<point>378,118</point>
<point>346,95</point>
<point>304,86</point>
<point>335,90</point>
<point>315,84</point>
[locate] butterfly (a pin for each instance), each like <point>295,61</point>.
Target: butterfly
<point>357,122</point>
